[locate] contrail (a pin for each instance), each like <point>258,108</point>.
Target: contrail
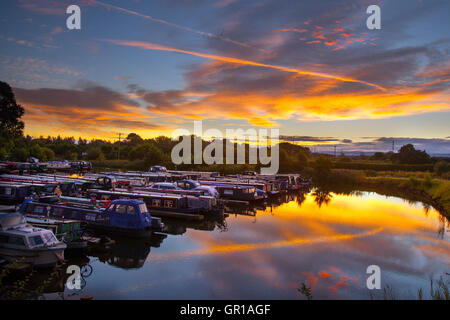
<point>206,34</point>
<point>152,46</point>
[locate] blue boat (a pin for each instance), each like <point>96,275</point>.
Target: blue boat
<point>126,217</point>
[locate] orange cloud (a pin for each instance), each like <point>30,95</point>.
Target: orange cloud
<point>295,30</point>
<point>331,43</point>
<point>152,46</point>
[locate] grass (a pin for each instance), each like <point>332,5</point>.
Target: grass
<point>418,186</point>
<point>439,290</point>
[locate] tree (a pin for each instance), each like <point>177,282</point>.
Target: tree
<point>285,160</point>
<point>10,113</point>
<point>409,155</point>
<point>139,152</point>
<point>378,156</point>
<point>48,153</point>
<point>93,153</point>
<point>134,139</point>
<point>154,156</point>
<point>20,154</point>
<point>37,152</point>
<point>322,168</point>
<point>302,159</point>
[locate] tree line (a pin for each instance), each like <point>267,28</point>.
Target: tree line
<point>142,153</point>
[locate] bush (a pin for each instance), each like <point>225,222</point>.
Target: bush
<point>322,168</point>
<point>2,154</point>
<point>413,182</point>
<point>427,181</point>
<point>441,167</point>
<point>101,157</point>
<point>302,159</point>
<point>370,173</point>
<point>20,154</point>
<point>344,159</point>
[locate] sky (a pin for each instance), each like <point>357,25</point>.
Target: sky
<point>312,69</point>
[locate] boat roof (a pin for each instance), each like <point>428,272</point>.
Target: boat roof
<point>39,219</point>
<point>128,201</point>
<point>138,194</point>
<point>11,219</point>
<point>233,186</point>
<point>25,230</point>
<point>14,185</point>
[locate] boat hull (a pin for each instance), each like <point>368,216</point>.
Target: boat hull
<point>127,232</point>
<point>41,257</point>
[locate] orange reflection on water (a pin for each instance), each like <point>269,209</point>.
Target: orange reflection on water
<point>361,212</point>
<point>213,248</point>
<point>324,240</point>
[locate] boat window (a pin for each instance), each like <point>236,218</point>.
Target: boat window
<point>35,241</point>
<point>169,204</point>
<point>58,211</point>
<point>49,237</point>
<point>111,207</point>
<point>181,185</point>
<point>38,209</point>
<point>143,208</point>
<point>227,191</point>
<point>156,202</point>
<point>121,208</point>
<point>16,240</point>
<point>130,210</point>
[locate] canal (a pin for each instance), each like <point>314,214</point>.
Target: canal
<point>323,240</point>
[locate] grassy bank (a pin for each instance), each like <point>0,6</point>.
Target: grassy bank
<point>416,187</point>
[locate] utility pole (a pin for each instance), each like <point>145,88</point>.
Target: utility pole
<point>392,145</point>
<point>118,156</point>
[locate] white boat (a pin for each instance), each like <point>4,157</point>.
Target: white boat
<point>27,244</point>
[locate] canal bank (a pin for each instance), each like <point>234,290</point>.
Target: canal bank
<point>434,192</point>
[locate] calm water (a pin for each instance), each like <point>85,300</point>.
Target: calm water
<point>324,240</point>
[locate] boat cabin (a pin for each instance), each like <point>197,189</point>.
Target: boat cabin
<point>236,192</point>
<point>13,193</point>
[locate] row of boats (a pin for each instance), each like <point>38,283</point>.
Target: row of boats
<point>56,212</point>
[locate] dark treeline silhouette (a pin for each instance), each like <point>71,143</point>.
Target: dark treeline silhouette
<point>137,153</point>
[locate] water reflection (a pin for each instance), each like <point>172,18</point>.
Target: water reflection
<point>322,238</point>
<point>126,253</point>
<point>179,227</point>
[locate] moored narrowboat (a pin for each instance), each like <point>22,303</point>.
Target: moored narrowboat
<point>128,217</point>
<point>165,204</point>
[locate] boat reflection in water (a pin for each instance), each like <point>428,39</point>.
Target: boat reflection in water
<point>126,253</point>
<point>266,250</point>
<point>179,227</point>
<point>48,283</point>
